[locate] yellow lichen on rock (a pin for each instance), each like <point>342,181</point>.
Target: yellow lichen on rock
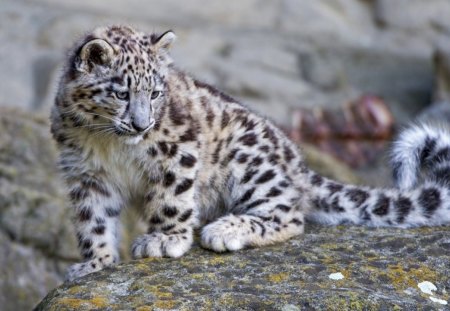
<point>165,304</point>
<point>161,294</point>
<point>75,303</point>
<point>278,277</point>
<point>75,290</point>
<point>402,278</point>
<point>218,260</point>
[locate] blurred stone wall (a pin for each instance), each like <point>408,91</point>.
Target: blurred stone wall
<point>272,54</point>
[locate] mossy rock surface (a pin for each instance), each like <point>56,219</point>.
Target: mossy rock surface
<point>381,269</point>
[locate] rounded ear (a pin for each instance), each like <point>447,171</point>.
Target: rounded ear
<point>164,41</point>
<point>96,52</point>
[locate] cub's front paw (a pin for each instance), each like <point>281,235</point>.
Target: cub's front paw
<point>158,244</point>
<point>81,269</point>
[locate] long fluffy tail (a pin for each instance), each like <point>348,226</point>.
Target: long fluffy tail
<point>428,204</point>
<point>421,151</point>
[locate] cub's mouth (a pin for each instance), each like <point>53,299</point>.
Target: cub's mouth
<point>128,132</point>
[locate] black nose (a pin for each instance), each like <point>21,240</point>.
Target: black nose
<point>138,127</point>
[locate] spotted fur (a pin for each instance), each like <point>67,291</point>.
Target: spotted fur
<point>134,129</point>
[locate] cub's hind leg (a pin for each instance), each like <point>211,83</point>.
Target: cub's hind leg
<point>266,215</point>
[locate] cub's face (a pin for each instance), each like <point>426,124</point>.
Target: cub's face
<point>115,82</point>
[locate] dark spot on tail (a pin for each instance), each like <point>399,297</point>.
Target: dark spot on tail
<point>364,215</point>
<point>403,207</point>
<point>382,206</point>
<point>427,149</point>
<point>442,156</point>
<point>430,200</point>
<point>357,196</point>
<point>336,207</point>
<point>321,204</point>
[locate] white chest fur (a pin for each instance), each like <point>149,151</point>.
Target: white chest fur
<point>123,166</point>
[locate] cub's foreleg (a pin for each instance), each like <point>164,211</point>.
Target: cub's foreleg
<point>97,207</point>
<point>170,211</point>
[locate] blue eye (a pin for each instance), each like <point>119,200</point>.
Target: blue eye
<point>155,94</point>
<point>123,95</point>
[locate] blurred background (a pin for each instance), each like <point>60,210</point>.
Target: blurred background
<point>340,76</point>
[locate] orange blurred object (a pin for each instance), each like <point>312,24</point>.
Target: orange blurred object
<point>356,133</point>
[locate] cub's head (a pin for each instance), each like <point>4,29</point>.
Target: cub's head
<point>114,82</point>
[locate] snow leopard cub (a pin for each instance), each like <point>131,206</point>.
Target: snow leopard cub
<point>133,129</point>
